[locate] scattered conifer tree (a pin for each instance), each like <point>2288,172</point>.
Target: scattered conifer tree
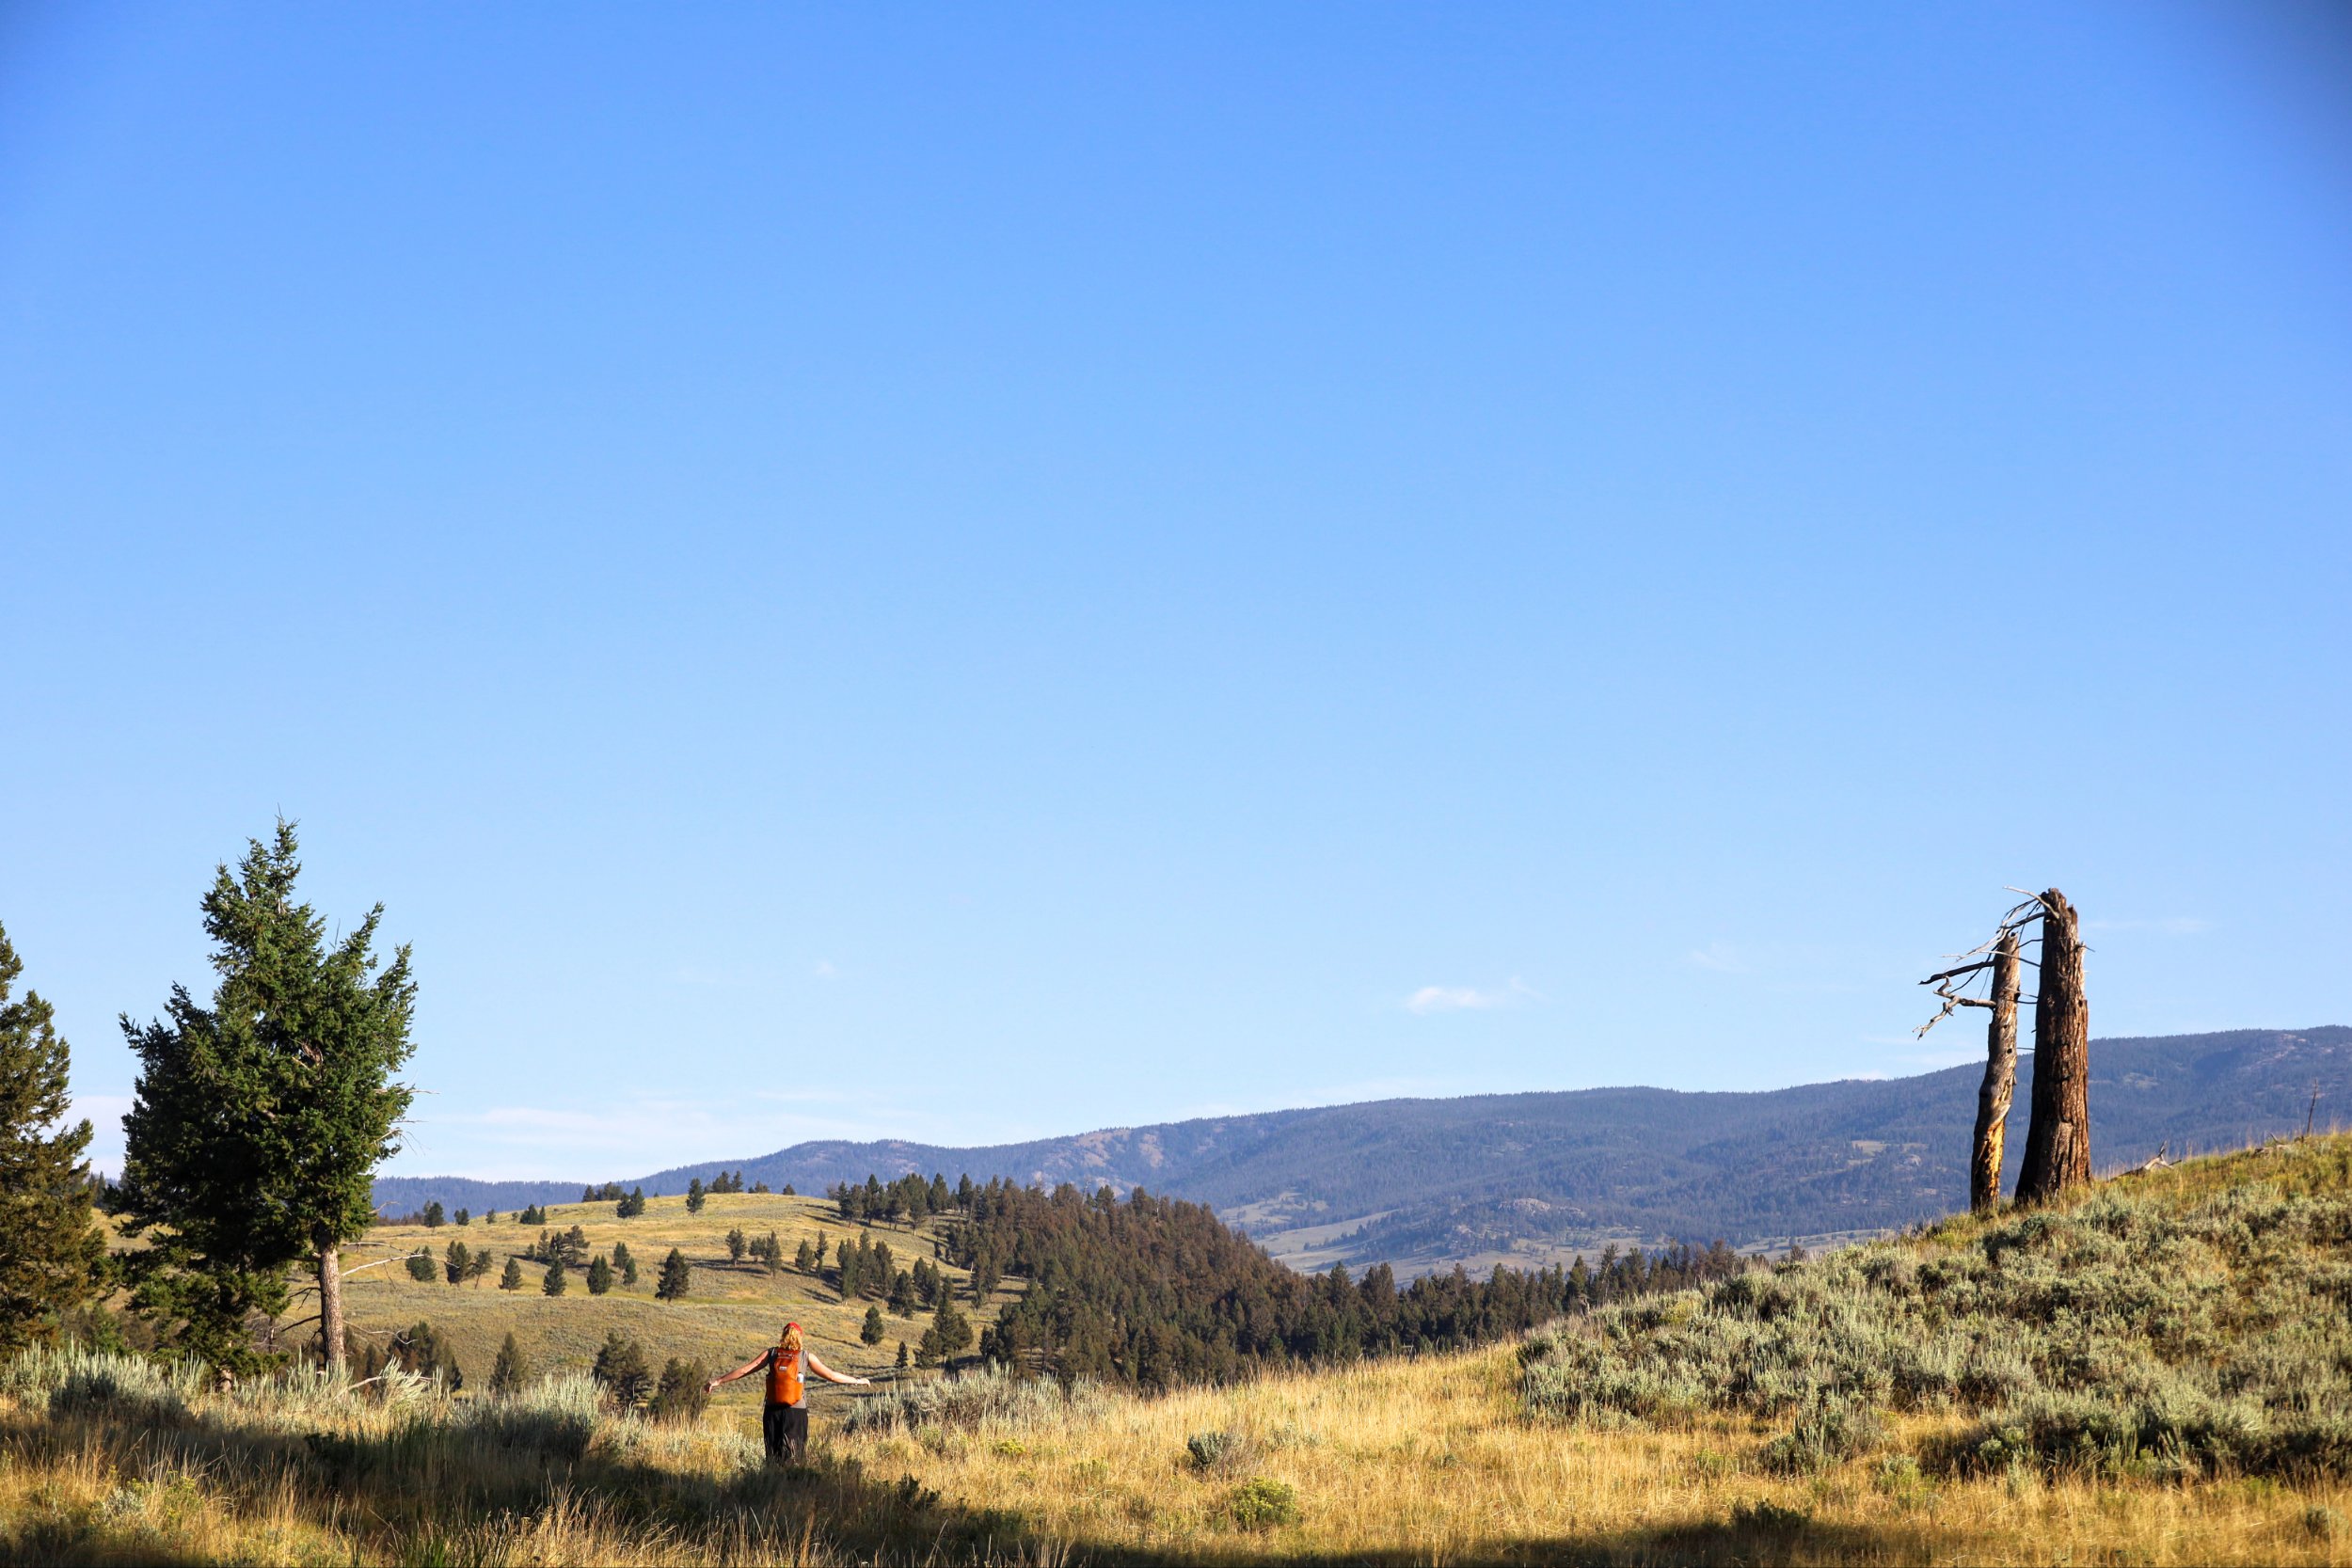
<point>681,1396</point>
<point>871,1331</point>
<point>759,1186</point>
<point>258,1121</point>
<point>513,1278</point>
<point>553,1283</point>
<point>735,1244</point>
<point>902,1294</point>
<point>512,1370</point>
<point>789,1192</point>
<point>50,1253</point>
<point>600,1275</point>
<point>434,1217</point>
<point>694,1195</point>
<point>490,1218</point>
<point>462,1217</point>
<point>456,1262</point>
<point>621,1371</point>
<point>575,1246</point>
<point>805,1257</point>
<point>953,1328</point>
<point>421,1268</point>
<point>676,1277</point>
<point>904,1359</point>
<point>631,1206</point>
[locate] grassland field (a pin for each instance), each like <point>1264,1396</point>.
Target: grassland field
<point>1444,1459</point>
<point>731,1311</point>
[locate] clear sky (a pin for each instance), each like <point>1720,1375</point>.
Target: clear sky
<point>973,572</point>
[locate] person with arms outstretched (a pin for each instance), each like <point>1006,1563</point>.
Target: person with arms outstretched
<point>784,1421</point>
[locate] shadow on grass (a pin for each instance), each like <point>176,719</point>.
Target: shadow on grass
<point>1743,1542</point>
<point>432,1493</point>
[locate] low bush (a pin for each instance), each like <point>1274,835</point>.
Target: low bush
<point>2139,1331</point>
<point>1259,1503</point>
<point>1220,1452</point>
<point>988,1395</point>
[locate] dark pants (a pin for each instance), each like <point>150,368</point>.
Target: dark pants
<point>785,1428</point>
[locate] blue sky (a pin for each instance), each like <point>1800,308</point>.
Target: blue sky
<point>976,572</point>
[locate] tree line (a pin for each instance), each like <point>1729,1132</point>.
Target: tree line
<point>1152,1292</point>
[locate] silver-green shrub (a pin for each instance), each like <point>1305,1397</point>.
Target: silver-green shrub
<point>2131,1334</point>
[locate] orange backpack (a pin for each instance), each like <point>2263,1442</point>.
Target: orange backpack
<point>784,1377</point>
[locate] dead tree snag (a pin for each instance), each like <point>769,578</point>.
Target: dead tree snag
<point>2057,1142</point>
<point>2000,1079</point>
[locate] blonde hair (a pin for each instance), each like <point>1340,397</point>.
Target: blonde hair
<point>790,1343</point>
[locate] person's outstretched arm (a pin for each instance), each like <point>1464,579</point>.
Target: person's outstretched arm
<point>830,1375</point>
<point>746,1369</point>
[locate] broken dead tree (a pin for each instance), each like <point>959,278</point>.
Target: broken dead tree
<point>2000,1079</point>
<point>2057,1141</point>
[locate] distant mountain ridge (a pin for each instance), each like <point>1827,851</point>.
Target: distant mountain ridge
<point>1432,1182</point>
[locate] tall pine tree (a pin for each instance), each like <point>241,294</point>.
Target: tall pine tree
<point>50,1254</point>
<point>260,1120</point>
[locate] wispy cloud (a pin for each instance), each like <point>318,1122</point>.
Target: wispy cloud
<point>1722,957</point>
<point>1456,999</point>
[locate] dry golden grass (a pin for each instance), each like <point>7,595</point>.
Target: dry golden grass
<point>1432,1462</point>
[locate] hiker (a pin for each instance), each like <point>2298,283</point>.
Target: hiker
<point>783,1422</point>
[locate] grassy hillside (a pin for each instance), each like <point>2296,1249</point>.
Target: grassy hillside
<point>731,1311</point>
<point>1529,1179</point>
<point>1987,1391</point>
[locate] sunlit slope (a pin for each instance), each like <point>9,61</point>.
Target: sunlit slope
<point>732,1309</point>
<point>1640,1447</point>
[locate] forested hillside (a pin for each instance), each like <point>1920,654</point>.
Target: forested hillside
<point>1431,1180</point>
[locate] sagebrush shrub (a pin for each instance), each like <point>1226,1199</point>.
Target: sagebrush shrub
<point>2134,1333</point>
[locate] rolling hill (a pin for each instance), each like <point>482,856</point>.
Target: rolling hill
<point>1428,1182</point>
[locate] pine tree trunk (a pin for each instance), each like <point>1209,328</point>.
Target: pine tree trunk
<point>2058,1143</point>
<point>2000,1081</point>
<point>331,1307</point>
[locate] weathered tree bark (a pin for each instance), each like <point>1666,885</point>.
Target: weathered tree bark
<point>2000,1079</point>
<point>331,1307</point>
<point>2057,1142</point>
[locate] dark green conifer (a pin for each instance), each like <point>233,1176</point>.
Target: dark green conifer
<point>599,1276</point>
<point>50,1252</point>
<point>513,1278</point>
<point>621,1371</point>
<point>422,1267</point>
<point>553,1282</point>
<point>512,1370</point>
<point>462,1217</point>
<point>904,1359</point>
<point>694,1195</point>
<point>735,1244</point>
<point>455,1263</point>
<point>805,1257</point>
<point>258,1121</point>
<point>675,1278</point>
<point>871,1331</point>
<point>681,1396</point>
<point>434,1217</point>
